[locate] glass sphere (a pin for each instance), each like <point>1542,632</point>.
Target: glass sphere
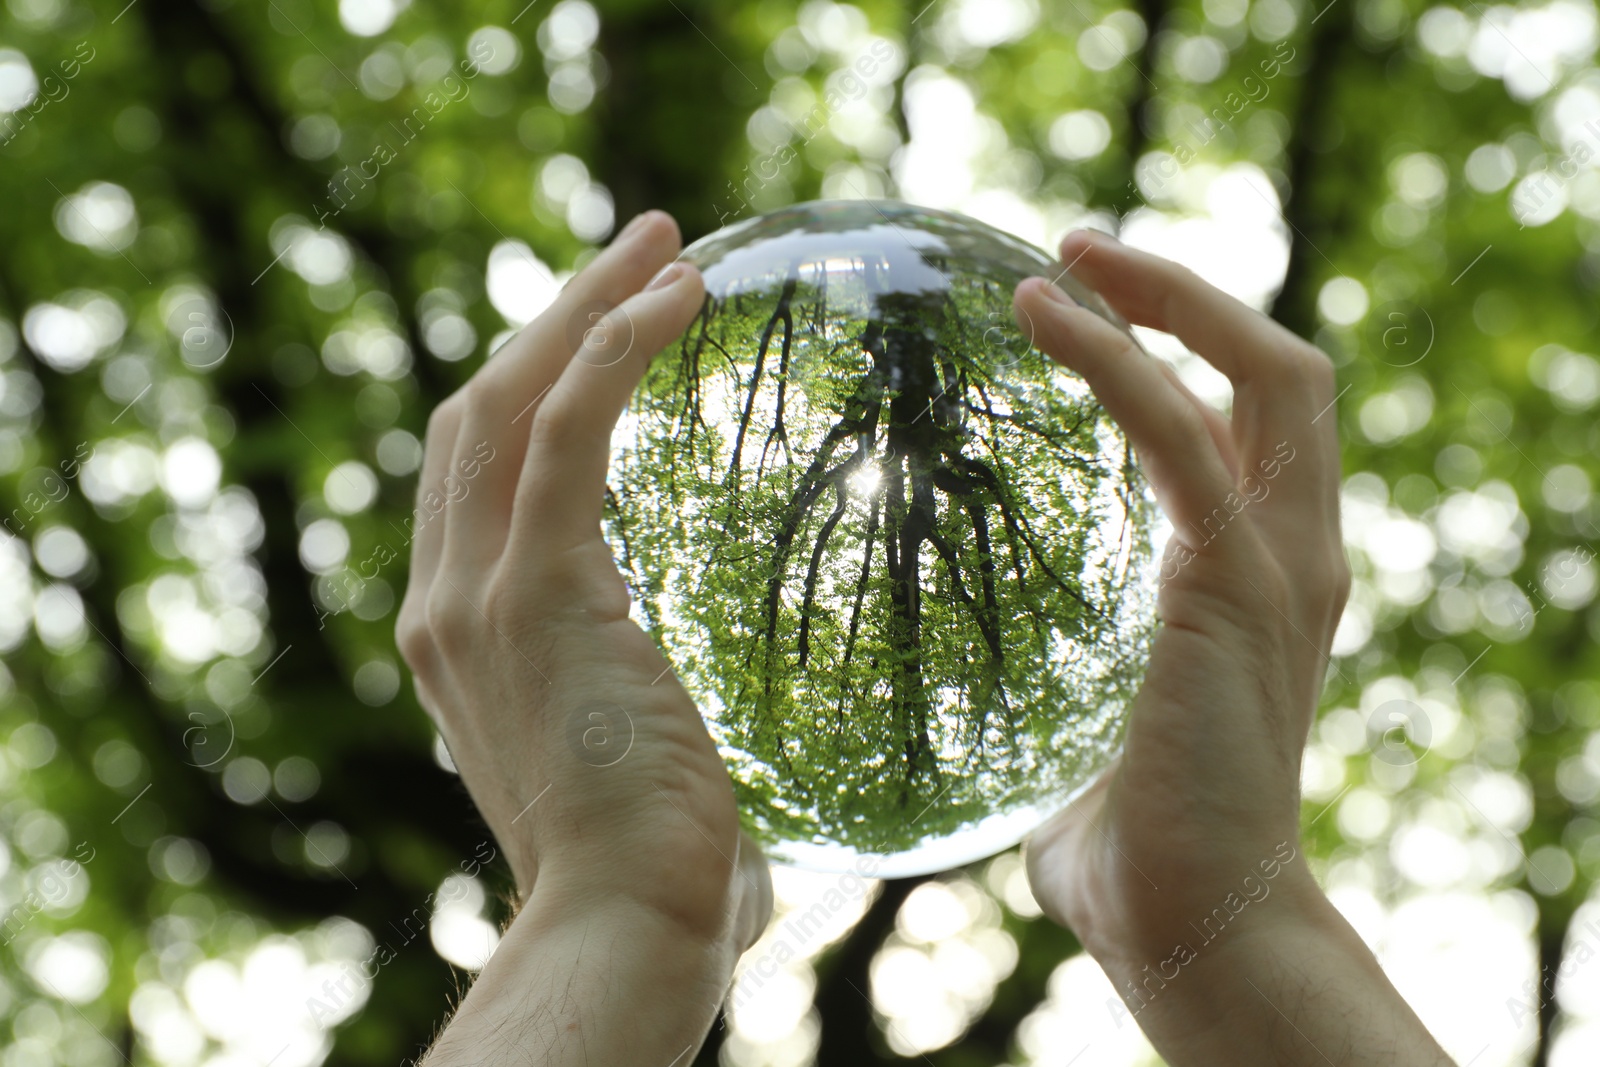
<point>902,559</point>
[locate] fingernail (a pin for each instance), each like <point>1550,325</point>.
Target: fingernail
<point>669,274</point>
<point>1056,293</point>
<point>637,222</point>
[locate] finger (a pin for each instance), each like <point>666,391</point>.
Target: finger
<point>1163,425</point>
<point>1150,291</point>
<point>1054,855</point>
<point>505,394</point>
<point>536,355</point>
<point>1282,384</point>
<point>1217,424</point>
<point>1283,419</point>
<point>426,531</point>
<point>559,498</point>
<point>755,898</point>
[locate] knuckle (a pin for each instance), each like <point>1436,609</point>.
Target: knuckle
<point>1317,368</point>
<point>1182,286</point>
<point>501,607</point>
<point>411,634</point>
<point>612,336</point>
<point>1128,349</point>
<point>412,638</point>
<point>1189,425</point>
<point>1169,372</point>
<point>476,405</point>
<point>554,425</point>
<point>1299,365</point>
<point>1342,580</point>
<point>444,420</point>
<point>1275,587</point>
<point>599,330</point>
<point>1315,356</point>
<point>1184,277</point>
<point>448,617</point>
<point>1321,590</point>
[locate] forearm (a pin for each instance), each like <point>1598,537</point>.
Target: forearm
<point>593,982</point>
<point>1299,989</point>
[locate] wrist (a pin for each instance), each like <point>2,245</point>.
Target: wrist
<point>1199,908</point>
<point>597,980</point>
<point>1200,967</point>
<point>1295,984</point>
<point>715,893</point>
<point>701,920</point>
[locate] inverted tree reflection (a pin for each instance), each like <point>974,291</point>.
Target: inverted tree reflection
<point>898,555</point>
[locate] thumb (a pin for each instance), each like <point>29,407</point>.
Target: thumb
<point>1055,855</point>
<point>755,893</point>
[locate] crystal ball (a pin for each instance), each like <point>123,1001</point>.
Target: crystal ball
<point>901,558</point>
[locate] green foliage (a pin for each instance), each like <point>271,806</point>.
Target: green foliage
<point>173,666</point>
<point>904,567</point>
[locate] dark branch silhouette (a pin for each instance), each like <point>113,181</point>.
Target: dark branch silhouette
<point>878,603</point>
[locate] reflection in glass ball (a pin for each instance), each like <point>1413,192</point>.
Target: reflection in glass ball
<point>901,558</point>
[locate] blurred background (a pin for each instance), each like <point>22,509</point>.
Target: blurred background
<point>245,248</point>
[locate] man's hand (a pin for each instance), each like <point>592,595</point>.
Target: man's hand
<point>589,761</point>
<point>1200,816</point>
